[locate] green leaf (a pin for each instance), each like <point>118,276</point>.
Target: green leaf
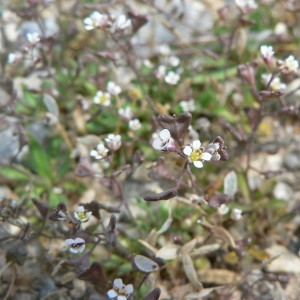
<point>39,160</point>
<point>219,75</point>
<point>54,199</point>
<point>12,174</point>
<point>31,99</point>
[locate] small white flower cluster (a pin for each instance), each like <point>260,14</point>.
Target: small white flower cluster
<point>187,106</point>
<point>193,151</point>
<point>113,143</point>
<point>275,84</point>
<point>236,213</point>
<point>104,98</point>
<point>120,290</point>
<point>97,20</point>
<point>289,65</point>
<point>246,6</point>
<point>33,38</point>
<point>121,24</point>
<point>135,124</point>
<point>170,77</point>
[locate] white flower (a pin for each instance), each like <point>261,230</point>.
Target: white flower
<point>113,141</point>
<point>135,124</point>
<point>121,24</point>
<point>236,214</point>
<point>188,106</point>
<point>174,61</point>
<point>15,57</point>
<point>76,245</point>
<point>213,148</point>
<point>147,63</point>
<point>82,214</point>
<point>289,65</point>
<point>120,290</point>
<point>102,98</point>
<point>164,50</point>
<point>125,113</point>
<point>281,29</point>
<point>223,209</point>
<point>164,142</point>
<point>172,78</point>
<point>100,153</point>
<point>113,89</point>
<point>96,20</point>
<point>203,124</point>
<point>196,154</point>
<point>246,5</point>
<point>160,72</point>
<point>266,53</point>
<point>33,38</point>
<point>276,84</point>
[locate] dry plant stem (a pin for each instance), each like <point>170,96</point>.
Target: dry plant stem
<point>11,284</point>
<point>141,283</point>
<point>194,185</point>
<point>252,135</point>
<point>64,135</point>
<point>5,267</point>
<point>177,186</point>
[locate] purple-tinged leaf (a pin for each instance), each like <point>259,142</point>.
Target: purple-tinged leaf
<point>177,126</point>
<point>137,20</point>
<point>95,273</point>
<point>218,199</point>
<point>43,208</point>
<point>154,295</point>
<point>166,195</point>
<point>161,170</point>
<point>110,231</point>
<point>84,168</point>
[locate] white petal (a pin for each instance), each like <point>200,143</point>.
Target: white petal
<point>118,283</point>
<point>81,248</point>
<point>196,144</point>
<point>157,144</point>
<point>70,241</point>
<point>187,150</point>
<point>122,298</point>
<point>206,156</point>
<point>112,293</point>
<point>76,216</point>
<point>198,164</point>
<point>79,240</point>
<point>89,27</point>
<point>88,214</point>
<point>165,134</point>
<point>73,250</point>
<point>80,209</point>
<point>93,153</point>
<point>88,21</point>
<point>128,289</point>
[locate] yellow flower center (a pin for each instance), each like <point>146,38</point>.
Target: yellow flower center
<point>195,155</point>
<point>81,215</point>
<point>103,99</point>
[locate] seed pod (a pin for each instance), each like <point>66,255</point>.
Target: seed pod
<point>166,195</point>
